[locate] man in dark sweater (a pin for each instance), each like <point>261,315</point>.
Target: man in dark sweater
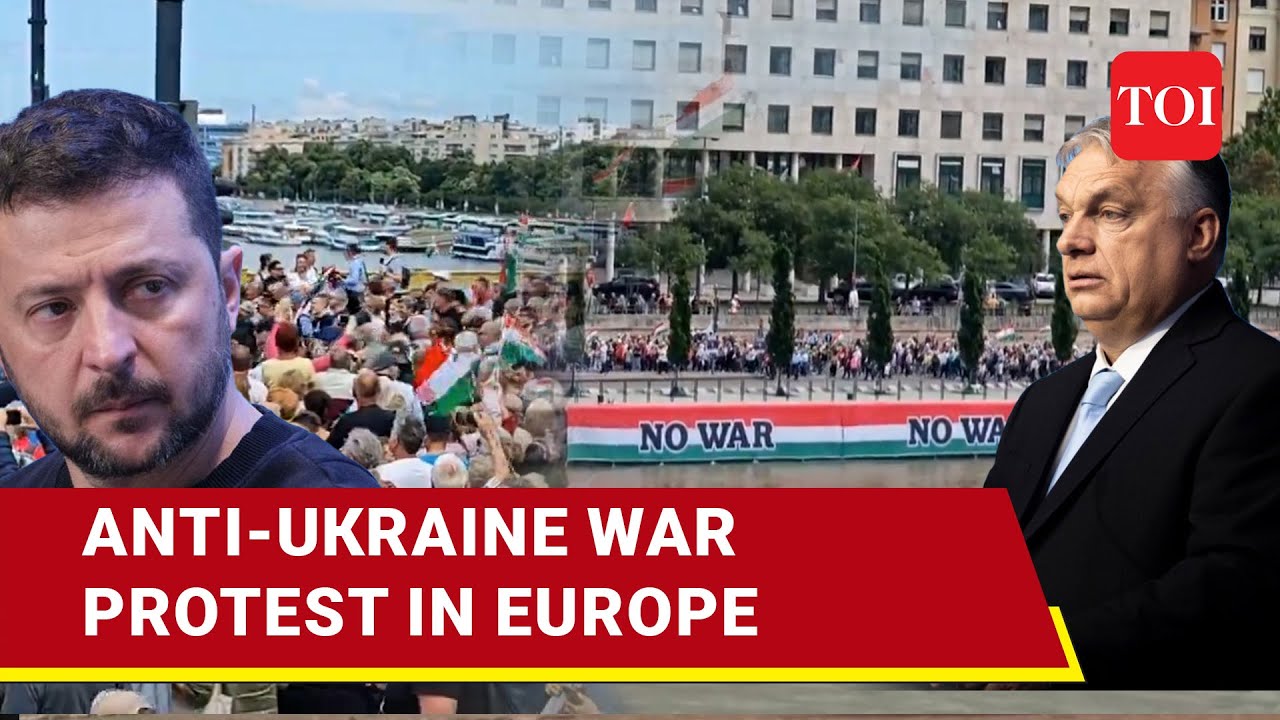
<point>117,304</point>
<point>368,414</point>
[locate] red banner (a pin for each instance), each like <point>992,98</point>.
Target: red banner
<point>590,585</point>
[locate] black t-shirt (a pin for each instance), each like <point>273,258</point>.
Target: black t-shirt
<point>372,418</point>
<point>274,454</point>
<point>474,698</point>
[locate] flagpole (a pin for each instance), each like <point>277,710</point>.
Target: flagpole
<point>611,247</point>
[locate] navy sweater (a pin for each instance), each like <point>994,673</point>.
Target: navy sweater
<point>275,454</point>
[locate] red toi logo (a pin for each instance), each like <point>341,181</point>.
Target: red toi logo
<point>1166,105</point>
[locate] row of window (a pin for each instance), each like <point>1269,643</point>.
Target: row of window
<point>870,12</point>
<point>991,176</point>
<point>1219,9</point>
<point>644,57</point>
<point>822,120</point>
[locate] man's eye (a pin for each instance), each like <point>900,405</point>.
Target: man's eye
<point>150,288</point>
<point>53,310</point>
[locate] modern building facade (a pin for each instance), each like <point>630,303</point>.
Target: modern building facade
<point>1242,33</point>
<point>214,131</point>
<point>965,94</point>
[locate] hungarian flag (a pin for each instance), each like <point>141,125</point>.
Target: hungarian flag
<point>509,276</point>
<point>436,356</point>
<point>452,385</point>
<point>629,217</point>
<point>518,347</point>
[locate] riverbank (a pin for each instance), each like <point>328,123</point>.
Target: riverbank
<point>651,387</point>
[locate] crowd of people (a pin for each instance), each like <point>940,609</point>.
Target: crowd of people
<point>825,354</point>
<point>349,354</point>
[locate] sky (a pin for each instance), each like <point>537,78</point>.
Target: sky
<point>284,59</point>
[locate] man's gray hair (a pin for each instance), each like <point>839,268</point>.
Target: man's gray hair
<point>364,448</point>
<point>1196,184</point>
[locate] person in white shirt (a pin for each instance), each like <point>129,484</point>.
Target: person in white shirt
<point>406,470</point>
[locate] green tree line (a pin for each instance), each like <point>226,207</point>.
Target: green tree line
<point>1253,245</point>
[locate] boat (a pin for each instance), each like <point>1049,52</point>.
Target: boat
<point>363,236</point>
<point>425,239</point>
<point>478,244</point>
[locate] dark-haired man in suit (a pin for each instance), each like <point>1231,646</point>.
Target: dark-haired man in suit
<point>1146,475</point>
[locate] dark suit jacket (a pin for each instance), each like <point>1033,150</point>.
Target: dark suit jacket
<point>1161,540</point>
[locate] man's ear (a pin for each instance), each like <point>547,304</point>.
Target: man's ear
<point>1203,229</point>
<point>229,269</point>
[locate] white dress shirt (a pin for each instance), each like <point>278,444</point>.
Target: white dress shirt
<point>1126,365</point>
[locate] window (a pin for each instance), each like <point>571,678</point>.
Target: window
<point>779,119</point>
<point>1037,69</point>
<point>824,62</point>
<point>504,49</point>
<point>690,7</point>
<point>1159,23</point>
<point>1074,124</point>
<point>991,176</point>
<point>997,15</point>
<point>868,64</point>
<point>1033,183</point>
<point>822,120</point>
<point>1257,4</point>
<point>687,116</point>
<point>598,53</point>
<point>783,8</point>
<point>1119,22</point>
<point>548,111</point>
<point>739,8</point>
<point>1078,20</point>
<point>951,174</point>
<point>955,13</point>
<point>864,121</point>
<point>779,61</point>
<point>953,68</point>
<point>646,5</point>
<point>642,114</point>
<point>1077,73</point>
<point>992,126</point>
<point>600,4</point>
<point>1257,38</point>
<point>1218,10</point>
<point>994,72</point>
<point>1220,51</point>
<point>735,117</point>
<point>1256,80</point>
<point>690,57</point>
<point>1033,128</point>
<point>911,66</point>
<point>951,123</point>
<point>908,123</point>
<point>1038,19</point>
<point>869,11</point>
<point>907,172</point>
<point>596,108</point>
<point>549,51</point>
<point>1250,120</point>
<point>828,10</point>
<point>912,12</point>
<point>735,59</point>
<point>644,54</point>
<point>1108,74</point>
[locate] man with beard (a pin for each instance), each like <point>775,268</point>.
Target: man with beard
<point>117,305</point>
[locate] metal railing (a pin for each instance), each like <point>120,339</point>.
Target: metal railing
<point>741,388</point>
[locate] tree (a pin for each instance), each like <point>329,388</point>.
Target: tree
<point>1254,244</point>
<point>680,319</point>
<point>879,324</point>
<point>781,339</point>
<point>1238,290</point>
<point>970,337</point>
<point>1063,325</point>
<point>755,255</point>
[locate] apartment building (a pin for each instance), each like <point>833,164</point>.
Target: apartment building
<point>487,140</point>
<point>1243,34</point>
<point>971,94</point>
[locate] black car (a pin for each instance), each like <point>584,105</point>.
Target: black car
<point>1012,292</point>
<point>629,285</point>
<point>941,291</point>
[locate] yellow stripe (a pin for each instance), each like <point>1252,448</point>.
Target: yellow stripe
<point>1068,674</point>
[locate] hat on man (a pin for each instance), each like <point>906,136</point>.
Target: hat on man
<point>467,342</point>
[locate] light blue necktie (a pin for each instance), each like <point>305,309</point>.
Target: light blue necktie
<point>1102,386</point>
